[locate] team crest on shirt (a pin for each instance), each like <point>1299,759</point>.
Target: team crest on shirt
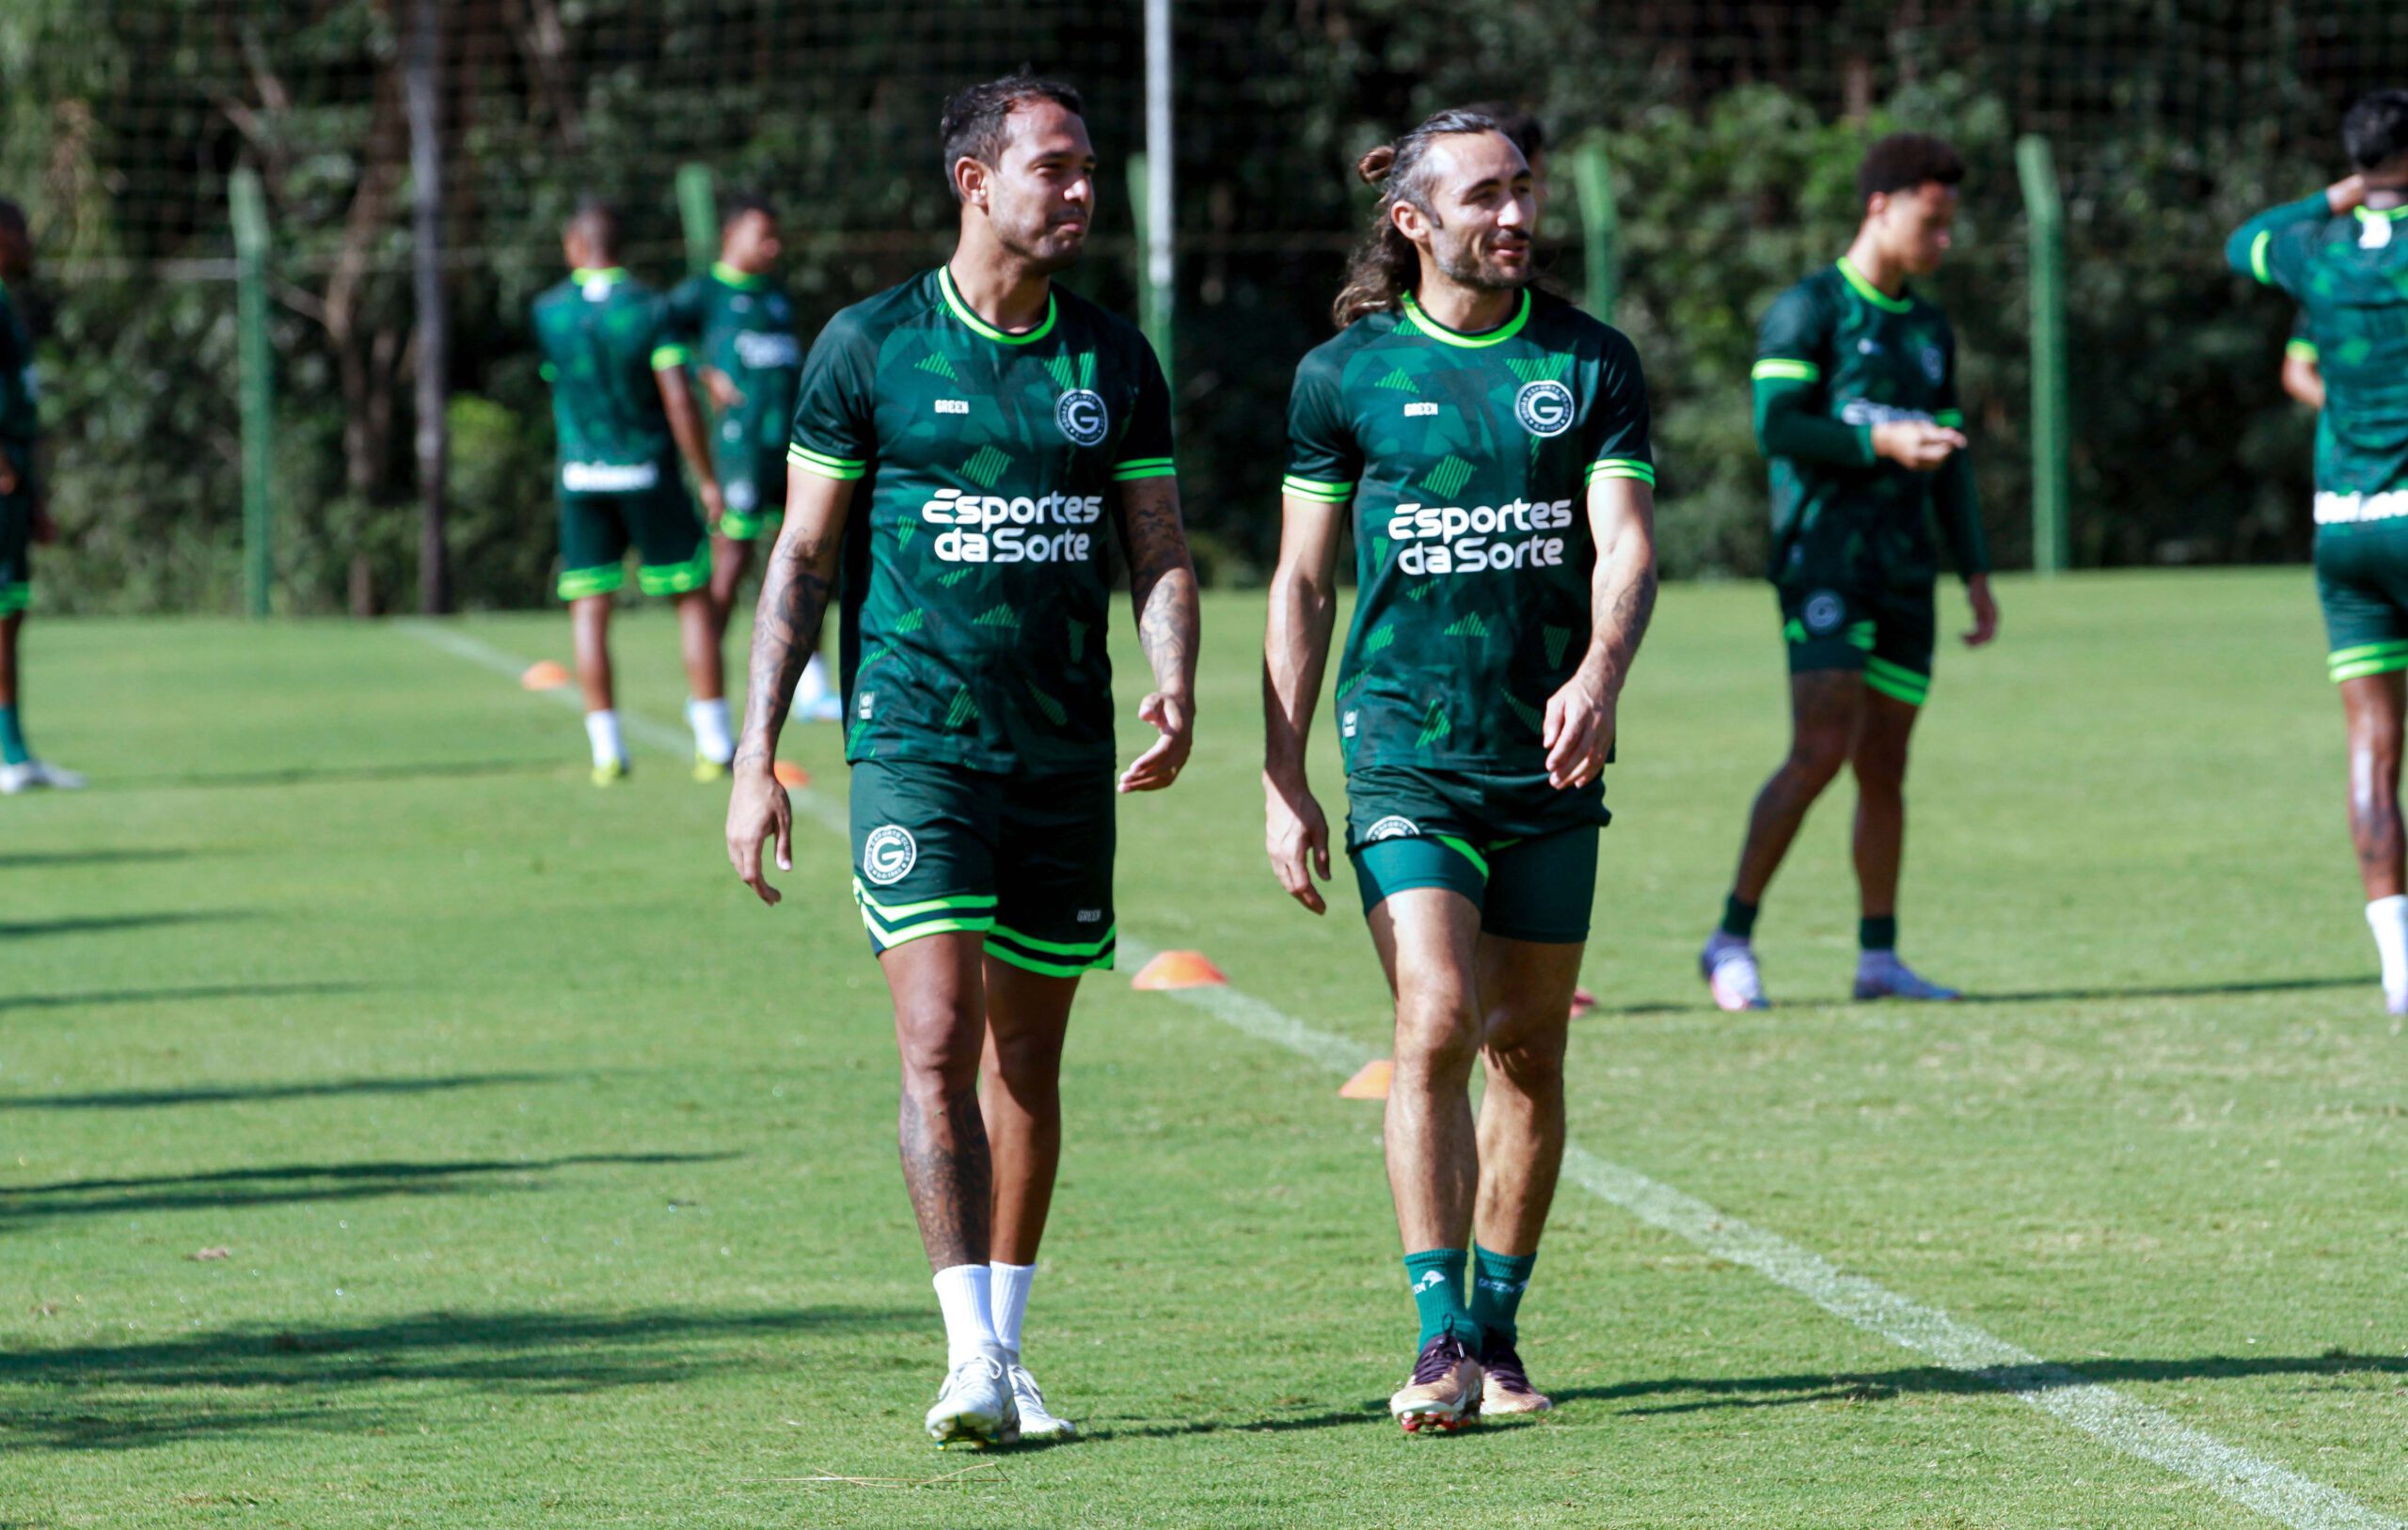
<point>1393,827</point>
<point>1544,407</point>
<point>1935,365</point>
<point>889,854</point>
<point>1824,612</point>
<point>1082,416</point>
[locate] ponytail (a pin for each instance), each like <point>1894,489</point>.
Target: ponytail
<point>1385,265</point>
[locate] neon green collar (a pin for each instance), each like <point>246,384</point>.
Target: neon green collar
<point>2368,214</point>
<point>1865,290</point>
<point>962,311</point>
<point>734,277</point>
<point>1439,332</point>
<point>602,273</point>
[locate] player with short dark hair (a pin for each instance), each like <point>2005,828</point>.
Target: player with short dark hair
<point>24,515</point>
<point>2342,254</point>
<point>1489,444</point>
<point>1856,405</point>
<point>964,446</point>
<point>624,413</point>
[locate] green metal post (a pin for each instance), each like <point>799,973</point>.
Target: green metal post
<point>2052,392</point>
<point>256,356</point>
<point>697,210</point>
<point>1593,179</point>
<point>1153,299</point>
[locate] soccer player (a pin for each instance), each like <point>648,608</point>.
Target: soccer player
<point>740,321</point>
<point>1488,445</point>
<point>2342,254</point>
<point>2303,377</point>
<point>964,446</point>
<point>24,518</point>
<point>620,398</point>
<point>1856,406</point>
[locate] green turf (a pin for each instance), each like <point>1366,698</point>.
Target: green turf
<point>558,1185</point>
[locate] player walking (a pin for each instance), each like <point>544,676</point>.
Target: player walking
<point>961,443</point>
<point>1492,444</point>
<point>619,398</point>
<point>2342,254</point>
<point>1856,405</point>
<point>24,519</point>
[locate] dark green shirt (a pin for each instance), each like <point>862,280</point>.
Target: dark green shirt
<point>2349,275</point>
<point>1467,459</point>
<point>18,421</point>
<point>604,334</point>
<point>975,586</point>
<point>1836,357</point>
<point>743,325</point>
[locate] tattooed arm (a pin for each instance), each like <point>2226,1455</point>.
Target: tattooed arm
<point>795,588</point>
<point>1161,586</point>
<point>1580,730</point>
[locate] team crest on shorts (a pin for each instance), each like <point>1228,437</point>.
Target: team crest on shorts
<point>1393,827</point>
<point>1824,612</point>
<point>1082,416</point>
<point>889,854</point>
<point>1544,407</point>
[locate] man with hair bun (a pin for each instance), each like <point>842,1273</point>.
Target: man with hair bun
<point>1856,407</point>
<point>1488,446</point>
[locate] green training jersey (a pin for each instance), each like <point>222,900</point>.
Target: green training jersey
<point>604,334</point>
<point>2349,275</point>
<point>1467,459</point>
<point>18,392</point>
<point>1836,356</point>
<point>743,326</point>
<point>975,586</point>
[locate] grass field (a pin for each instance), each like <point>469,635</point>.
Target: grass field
<point>557,1186</point>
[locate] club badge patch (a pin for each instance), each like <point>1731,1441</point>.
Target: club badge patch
<point>1082,416</point>
<point>1393,827</point>
<point>1545,408</point>
<point>889,854</point>
<point>1824,612</point>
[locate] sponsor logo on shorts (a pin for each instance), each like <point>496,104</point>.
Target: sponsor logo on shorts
<point>1453,539</point>
<point>1090,916</point>
<point>993,528</point>
<point>869,699</point>
<point>1544,407</point>
<point>1824,612</point>
<point>1346,724</point>
<point>1393,827</point>
<point>1082,416</point>
<point>889,854</point>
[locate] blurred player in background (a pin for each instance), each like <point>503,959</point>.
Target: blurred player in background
<point>1856,406</point>
<point>961,444</point>
<point>740,320</point>
<point>2342,254</point>
<point>1492,442</point>
<point>24,519</point>
<point>624,412</point>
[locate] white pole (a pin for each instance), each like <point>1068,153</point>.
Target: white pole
<point>1161,258</point>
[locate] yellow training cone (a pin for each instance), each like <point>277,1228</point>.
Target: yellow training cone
<point>1180,969</point>
<point>1370,1081</point>
<point>543,675</point>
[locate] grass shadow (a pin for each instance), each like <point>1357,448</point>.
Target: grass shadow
<point>34,859</point>
<point>109,924</point>
<point>2031,996</point>
<point>1370,1412</point>
<point>135,1100</point>
<point>340,774</point>
<point>201,993</point>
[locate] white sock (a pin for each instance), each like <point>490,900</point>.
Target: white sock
<point>2388,919</point>
<point>1011,1300</point>
<point>813,684</point>
<point>602,732</point>
<point>965,1293</point>
<point>710,721</point>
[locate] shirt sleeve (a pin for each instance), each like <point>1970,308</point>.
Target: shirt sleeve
<point>1324,460</point>
<point>2273,246</point>
<point>669,343</point>
<point>1146,444</point>
<point>2302,345</point>
<point>1793,344</point>
<point>835,413</point>
<point>1952,495</point>
<point>1618,421</point>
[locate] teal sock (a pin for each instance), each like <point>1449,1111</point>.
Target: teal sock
<point>12,737</point>
<point>1497,1282</point>
<point>1738,919</point>
<point>1878,933</point>
<point>1437,1279</point>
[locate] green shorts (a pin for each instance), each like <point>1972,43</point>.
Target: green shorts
<point>1885,632</point>
<point>17,536</point>
<point>753,482</point>
<point>1025,860</point>
<point>2362,583</point>
<point>1523,852</point>
<point>598,525</point>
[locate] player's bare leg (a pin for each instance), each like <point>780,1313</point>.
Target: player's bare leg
<point>19,769</point>
<point>700,624</point>
<point>2374,705</point>
<point>1525,1003</point>
<point>1880,763</point>
<point>731,560</point>
<point>1028,1016</point>
<point>589,617</point>
<point>1427,938</point>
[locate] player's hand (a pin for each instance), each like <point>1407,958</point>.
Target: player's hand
<point>757,813</point>
<point>1297,836</point>
<point>2341,195</point>
<point>1174,718</point>
<point>725,393</point>
<point>1578,733</point>
<point>1978,595</point>
<point>1916,444</point>
<point>714,501</point>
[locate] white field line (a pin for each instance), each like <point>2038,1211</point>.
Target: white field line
<point>2134,1427</point>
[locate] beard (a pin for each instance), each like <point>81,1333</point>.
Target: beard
<point>1043,248</point>
<point>1462,261</point>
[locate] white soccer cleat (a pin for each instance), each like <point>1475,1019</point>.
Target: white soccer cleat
<point>1036,1421</point>
<point>975,1406</point>
<point>34,773</point>
<point>1886,977</point>
<point>1728,964</point>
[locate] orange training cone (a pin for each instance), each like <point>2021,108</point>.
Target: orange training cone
<point>543,675</point>
<point>1370,1081</point>
<point>1180,969</point>
<point>790,775</point>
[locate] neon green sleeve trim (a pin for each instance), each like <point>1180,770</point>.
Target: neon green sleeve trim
<point>2301,350</point>
<point>1311,488</point>
<point>1622,468</point>
<point>1145,467</point>
<point>2258,248</point>
<point>1802,372</point>
<point>666,356</point>
<point>825,467</point>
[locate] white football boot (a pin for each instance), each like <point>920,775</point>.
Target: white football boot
<point>1036,1421</point>
<point>975,1406</point>
<point>1728,964</point>
<point>1880,974</point>
<point>34,773</point>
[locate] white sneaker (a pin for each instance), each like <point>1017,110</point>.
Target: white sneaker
<point>975,1406</point>
<point>33,773</point>
<point>1728,965</point>
<point>1036,1421</point>
<point>1882,975</point>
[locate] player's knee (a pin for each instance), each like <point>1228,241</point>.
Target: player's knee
<point>1532,1064</point>
<point>1436,1033</point>
<point>1815,756</point>
<point>939,1051</point>
<point>1028,1062</point>
<point>1880,772</point>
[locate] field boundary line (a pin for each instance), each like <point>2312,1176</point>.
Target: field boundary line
<point>2137,1428</point>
